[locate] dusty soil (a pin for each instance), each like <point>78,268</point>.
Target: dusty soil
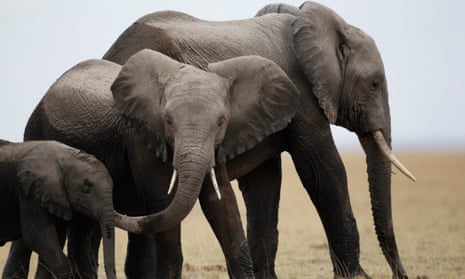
<point>429,220</point>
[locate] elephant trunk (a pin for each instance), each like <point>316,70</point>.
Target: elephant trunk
<point>107,227</point>
<point>191,167</point>
<point>379,178</point>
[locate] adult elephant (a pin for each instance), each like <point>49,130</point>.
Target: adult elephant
<point>155,116</point>
<point>340,73</point>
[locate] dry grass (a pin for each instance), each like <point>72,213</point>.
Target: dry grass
<point>429,218</point>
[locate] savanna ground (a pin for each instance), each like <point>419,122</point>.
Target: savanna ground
<point>429,220</point>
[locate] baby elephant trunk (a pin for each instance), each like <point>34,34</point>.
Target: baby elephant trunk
<point>107,227</point>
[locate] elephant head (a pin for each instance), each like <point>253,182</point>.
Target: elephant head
<point>61,179</point>
<point>204,117</point>
<point>346,72</point>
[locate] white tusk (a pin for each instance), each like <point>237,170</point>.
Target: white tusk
<point>379,138</point>
<point>215,183</point>
<point>173,180</point>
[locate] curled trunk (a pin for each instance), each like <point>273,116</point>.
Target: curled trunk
<point>191,170</point>
<point>379,178</point>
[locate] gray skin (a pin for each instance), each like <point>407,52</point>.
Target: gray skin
<point>340,73</point>
<point>44,186</point>
<point>153,115</point>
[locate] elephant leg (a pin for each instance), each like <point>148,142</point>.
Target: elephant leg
<point>140,257</point>
<point>83,245</point>
<point>167,245</point>
<point>42,271</point>
<point>331,199</point>
<point>323,175</point>
<point>41,234</point>
<point>17,263</point>
<point>160,255</point>
<point>44,234</point>
<point>224,218</point>
<point>169,253</point>
<point>261,192</point>
<point>20,257</point>
<point>157,256</point>
<point>52,261</point>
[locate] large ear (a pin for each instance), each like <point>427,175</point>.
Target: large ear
<point>279,8</point>
<point>41,178</point>
<point>263,101</point>
<point>320,45</point>
<point>138,93</point>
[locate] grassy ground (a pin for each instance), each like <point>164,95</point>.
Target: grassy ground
<point>429,219</point>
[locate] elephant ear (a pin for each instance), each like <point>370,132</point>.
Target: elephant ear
<point>138,93</point>
<point>41,178</point>
<point>321,47</point>
<point>279,8</point>
<point>263,100</point>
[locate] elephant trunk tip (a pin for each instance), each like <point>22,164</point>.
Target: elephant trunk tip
<point>130,224</point>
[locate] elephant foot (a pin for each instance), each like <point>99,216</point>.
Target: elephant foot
<point>239,261</point>
<point>359,275</point>
<point>266,275</point>
<point>403,276</point>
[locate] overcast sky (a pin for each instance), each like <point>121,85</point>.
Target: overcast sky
<point>422,44</point>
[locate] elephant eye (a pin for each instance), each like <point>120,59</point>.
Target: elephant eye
<point>168,120</point>
<point>342,51</point>
<point>375,84</point>
<point>221,121</point>
<point>87,185</point>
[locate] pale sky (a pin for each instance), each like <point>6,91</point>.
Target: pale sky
<point>422,44</point>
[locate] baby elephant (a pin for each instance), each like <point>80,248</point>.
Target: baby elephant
<point>42,185</point>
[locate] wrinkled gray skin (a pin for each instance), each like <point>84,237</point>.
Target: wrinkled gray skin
<point>339,71</point>
<point>44,186</point>
<point>153,115</point>
<point>340,74</point>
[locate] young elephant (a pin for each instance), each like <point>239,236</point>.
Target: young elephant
<point>155,115</point>
<point>201,117</point>
<point>43,185</point>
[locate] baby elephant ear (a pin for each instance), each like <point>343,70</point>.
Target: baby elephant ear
<point>263,101</point>
<point>41,179</point>
<point>138,92</point>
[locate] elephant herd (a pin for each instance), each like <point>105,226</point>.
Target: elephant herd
<point>176,109</point>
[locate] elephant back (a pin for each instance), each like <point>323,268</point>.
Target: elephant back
<point>199,42</point>
<point>78,106</point>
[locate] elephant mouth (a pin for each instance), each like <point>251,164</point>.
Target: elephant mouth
<point>384,147</point>
<point>212,176</point>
